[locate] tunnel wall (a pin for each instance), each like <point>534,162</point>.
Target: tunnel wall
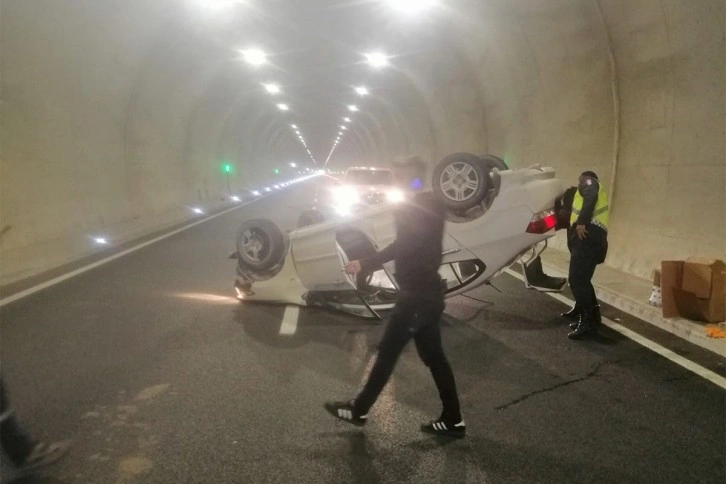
<point>632,90</point>
<point>116,117</point>
<point>109,127</point>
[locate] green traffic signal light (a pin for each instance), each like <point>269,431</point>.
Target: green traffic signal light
<point>227,168</point>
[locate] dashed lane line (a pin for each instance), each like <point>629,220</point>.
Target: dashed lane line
<point>289,320</point>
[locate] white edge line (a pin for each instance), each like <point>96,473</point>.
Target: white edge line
<point>81,270</point>
<point>289,320</point>
<point>642,340</point>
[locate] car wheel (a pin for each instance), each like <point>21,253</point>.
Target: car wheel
<point>461,181</point>
<point>310,217</point>
<point>260,244</point>
<point>492,161</point>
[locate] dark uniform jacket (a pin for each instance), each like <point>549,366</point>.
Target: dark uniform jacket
<point>418,245</point>
<point>597,238</point>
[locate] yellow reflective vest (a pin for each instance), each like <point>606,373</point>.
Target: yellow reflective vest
<point>601,214</point>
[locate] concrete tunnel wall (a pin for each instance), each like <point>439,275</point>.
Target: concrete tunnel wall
<point>116,115</point>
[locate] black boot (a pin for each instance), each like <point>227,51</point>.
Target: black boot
<point>586,325</point>
<point>573,313</point>
<point>596,318</point>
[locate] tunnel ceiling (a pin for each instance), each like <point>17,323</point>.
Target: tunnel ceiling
<point>123,112</point>
<point>315,52</point>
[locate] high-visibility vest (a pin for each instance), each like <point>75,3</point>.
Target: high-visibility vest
<point>601,214</point>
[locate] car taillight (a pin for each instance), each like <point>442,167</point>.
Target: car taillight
<point>542,222</point>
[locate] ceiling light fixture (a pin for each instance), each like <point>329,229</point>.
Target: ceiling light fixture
<point>376,59</point>
<point>361,91</point>
<point>353,108</point>
<point>254,57</point>
<point>272,88</point>
<point>347,120</point>
<point>283,107</point>
<point>411,6</point>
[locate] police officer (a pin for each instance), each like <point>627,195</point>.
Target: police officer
<point>420,304</point>
<point>588,243</point>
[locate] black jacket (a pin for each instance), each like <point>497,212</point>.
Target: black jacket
<point>418,245</point>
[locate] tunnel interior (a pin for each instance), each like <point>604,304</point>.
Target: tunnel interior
<point>119,116</point>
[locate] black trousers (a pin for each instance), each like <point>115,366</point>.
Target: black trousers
<point>415,317</point>
<point>15,442</point>
<point>585,256</point>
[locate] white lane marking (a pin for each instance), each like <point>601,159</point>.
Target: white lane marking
<point>81,270</point>
<point>289,320</point>
<point>643,341</point>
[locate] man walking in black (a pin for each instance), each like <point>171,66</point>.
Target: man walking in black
<point>417,255</point>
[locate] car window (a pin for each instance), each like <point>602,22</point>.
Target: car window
<point>369,177</point>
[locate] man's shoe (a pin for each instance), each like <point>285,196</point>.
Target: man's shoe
<point>587,324</point>
<point>583,329</point>
<point>45,454</point>
<point>596,318</point>
<point>346,411</point>
<point>439,427</point>
<point>573,313</point>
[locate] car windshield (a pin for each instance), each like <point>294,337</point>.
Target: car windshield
<point>369,177</point>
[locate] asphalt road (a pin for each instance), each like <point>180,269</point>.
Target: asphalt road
<point>159,375</point>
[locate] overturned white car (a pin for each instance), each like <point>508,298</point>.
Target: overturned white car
<point>495,217</point>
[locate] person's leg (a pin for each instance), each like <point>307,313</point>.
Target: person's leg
<point>431,351</point>
<point>584,262</point>
<point>395,338</point>
<point>582,268</point>
<point>16,443</point>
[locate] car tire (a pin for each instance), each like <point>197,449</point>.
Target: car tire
<point>492,161</point>
<point>310,217</point>
<point>461,181</point>
<point>260,245</point>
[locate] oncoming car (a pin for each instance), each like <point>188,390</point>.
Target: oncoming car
<point>495,216</point>
<point>362,187</point>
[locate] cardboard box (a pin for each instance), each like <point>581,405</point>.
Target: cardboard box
<point>694,289</point>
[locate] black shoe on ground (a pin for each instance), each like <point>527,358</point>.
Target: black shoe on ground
<point>595,317</point>
<point>583,329</point>
<point>45,454</point>
<point>439,427</point>
<point>346,411</point>
<point>573,313</point>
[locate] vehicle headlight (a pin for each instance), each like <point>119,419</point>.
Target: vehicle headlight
<point>395,196</point>
<point>346,195</point>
